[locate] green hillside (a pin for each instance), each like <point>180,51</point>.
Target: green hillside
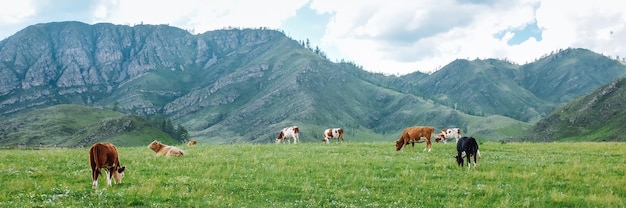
<point>78,126</point>
<point>599,116</point>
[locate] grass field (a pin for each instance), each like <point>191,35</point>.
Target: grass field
<point>317,175</point>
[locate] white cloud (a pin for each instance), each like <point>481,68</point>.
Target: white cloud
<point>597,25</point>
<point>425,35</point>
<point>18,11</point>
<point>420,35</point>
<point>199,15</point>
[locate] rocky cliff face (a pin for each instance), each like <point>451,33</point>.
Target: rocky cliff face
<point>52,63</point>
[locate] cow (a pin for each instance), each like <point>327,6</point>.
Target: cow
<point>446,134</point>
<point>414,135</point>
<point>336,133</point>
<point>192,143</point>
<point>103,156</point>
<point>165,150</point>
<point>288,134</point>
<point>467,146</point>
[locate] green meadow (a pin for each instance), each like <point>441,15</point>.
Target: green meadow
<point>350,174</point>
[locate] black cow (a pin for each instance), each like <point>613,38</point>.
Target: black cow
<point>467,146</point>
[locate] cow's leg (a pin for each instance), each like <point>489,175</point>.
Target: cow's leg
<point>469,162</point>
<point>478,155</point>
<point>475,161</point>
<point>94,176</point>
<point>462,160</point>
<point>109,175</point>
<point>430,145</point>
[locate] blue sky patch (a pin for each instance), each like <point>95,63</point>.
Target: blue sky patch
<point>307,24</point>
<point>522,34</point>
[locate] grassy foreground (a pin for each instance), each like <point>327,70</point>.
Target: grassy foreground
<point>317,175</point>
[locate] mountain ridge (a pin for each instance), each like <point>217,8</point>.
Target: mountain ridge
<point>242,85</point>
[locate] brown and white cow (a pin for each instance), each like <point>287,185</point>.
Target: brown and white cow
<point>336,133</point>
<point>416,134</point>
<point>165,150</point>
<point>192,143</point>
<point>451,133</point>
<point>103,156</point>
<point>288,134</point>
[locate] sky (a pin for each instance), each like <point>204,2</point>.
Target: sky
<point>390,37</point>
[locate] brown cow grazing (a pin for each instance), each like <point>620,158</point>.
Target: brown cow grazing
<point>165,150</point>
<point>103,156</point>
<point>414,135</point>
<point>192,143</point>
<point>336,133</point>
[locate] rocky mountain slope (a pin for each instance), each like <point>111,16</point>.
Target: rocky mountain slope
<point>243,85</point>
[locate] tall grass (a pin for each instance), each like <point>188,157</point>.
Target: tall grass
<point>315,175</point>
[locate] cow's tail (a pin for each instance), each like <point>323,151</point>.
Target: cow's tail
<point>93,158</point>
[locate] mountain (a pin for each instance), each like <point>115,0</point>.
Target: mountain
<point>524,92</point>
<point>483,87</point>
<point>78,126</point>
<point>599,116</point>
<point>244,85</point>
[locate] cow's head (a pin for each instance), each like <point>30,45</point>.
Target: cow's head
<point>399,144</point>
<point>459,160</point>
<point>280,136</point>
<point>118,174</point>
<point>441,137</point>
<point>155,146</point>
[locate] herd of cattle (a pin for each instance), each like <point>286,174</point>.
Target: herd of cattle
<point>104,156</point>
